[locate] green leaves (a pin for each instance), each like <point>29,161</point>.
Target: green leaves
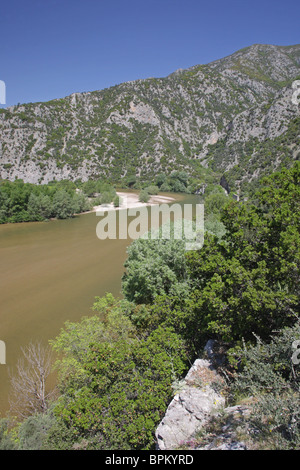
<point>144,196</point>
<point>270,376</point>
<point>115,385</point>
<point>23,202</point>
<point>250,281</point>
<point>153,267</point>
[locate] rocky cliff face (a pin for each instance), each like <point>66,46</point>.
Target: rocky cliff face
<point>200,399</point>
<point>191,407</point>
<point>234,115</point>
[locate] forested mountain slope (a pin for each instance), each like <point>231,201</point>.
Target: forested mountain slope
<point>234,116</point>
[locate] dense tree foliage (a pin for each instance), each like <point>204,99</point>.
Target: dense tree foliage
<point>115,383</point>
<point>250,280</point>
<point>24,202</point>
<point>144,196</point>
<point>154,267</point>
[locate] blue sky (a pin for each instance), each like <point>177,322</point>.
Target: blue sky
<point>52,48</point>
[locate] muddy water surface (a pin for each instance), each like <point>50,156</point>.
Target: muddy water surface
<point>50,273</point>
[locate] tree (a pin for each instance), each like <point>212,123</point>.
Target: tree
<point>39,207</point>
<point>213,225</point>
<point>215,202</point>
<point>165,187</point>
<point>30,393</point>
<point>23,202</point>
<point>127,390</point>
<point>4,206</point>
<point>178,181</point>
<point>109,323</point>
<point>249,282</point>
<point>154,267</point>
<point>33,431</point>
<point>115,384</point>
<point>106,198</point>
<point>117,201</point>
<point>80,203</point>
<point>152,189</point>
<point>90,188</point>
<point>160,179</point>
<point>144,196</point>
<point>6,443</point>
<point>63,205</point>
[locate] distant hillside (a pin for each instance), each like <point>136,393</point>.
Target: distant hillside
<point>233,116</point>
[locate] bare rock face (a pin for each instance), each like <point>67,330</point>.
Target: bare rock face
<point>192,406</point>
<point>199,399</point>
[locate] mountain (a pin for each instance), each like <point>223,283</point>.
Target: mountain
<point>233,117</point>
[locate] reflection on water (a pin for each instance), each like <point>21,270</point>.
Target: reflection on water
<point>50,273</point>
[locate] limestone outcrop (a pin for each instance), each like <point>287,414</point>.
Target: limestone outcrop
<point>199,399</point>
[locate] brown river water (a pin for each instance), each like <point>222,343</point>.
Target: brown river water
<point>51,272</point>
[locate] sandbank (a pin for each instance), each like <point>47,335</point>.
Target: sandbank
<point>131,200</point>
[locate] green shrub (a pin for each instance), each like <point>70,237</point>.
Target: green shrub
<point>144,196</point>
<point>106,198</point>
<point>271,377</point>
<point>33,432</point>
<point>152,190</point>
<point>117,201</point>
<point>63,205</point>
<point>250,281</point>
<point>6,442</point>
<point>115,384</point>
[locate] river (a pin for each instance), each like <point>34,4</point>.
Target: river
<point>51,272</point>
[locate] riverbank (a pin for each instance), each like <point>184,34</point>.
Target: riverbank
<point>131,200</point>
